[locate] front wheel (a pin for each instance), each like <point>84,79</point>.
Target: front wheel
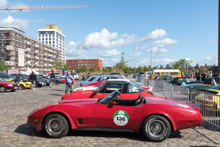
<point>56,126</point>
<point>2,88</point>
<point>156,128</point>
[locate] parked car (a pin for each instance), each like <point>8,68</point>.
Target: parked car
<point>7,77</point>
<point>40,82</point>
<point>127,88</point>
<point>165,72</point>
<point>5,85</point>
<point>129,78</point>
<point>208,83</point>
<point>146,114</point>
<point>209,99</point>
<point>61,79</point>
<point>183,81</point>
<point>46,81</point>
<point>24,83</point>
<point>94,79</point>
<point>76,76</point>
<point>165,78</point>
<point>115,73</point>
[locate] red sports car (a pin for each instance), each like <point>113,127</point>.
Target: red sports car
<point>156,117</point>
<point>61,79</point>
<point>127,88</point>
<point>93,84</point>
<point>4,85</point>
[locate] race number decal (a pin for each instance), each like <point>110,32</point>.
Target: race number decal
<point>120,118</point>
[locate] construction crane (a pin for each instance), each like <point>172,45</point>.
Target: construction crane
<point>41,7</point>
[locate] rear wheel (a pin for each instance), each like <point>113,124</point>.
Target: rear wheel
<point>56,126</point>
<point>22,86</point>
<point>156,128</point>
<point>2,88</point>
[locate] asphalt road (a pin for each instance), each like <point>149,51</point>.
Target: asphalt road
<point>16,106</point>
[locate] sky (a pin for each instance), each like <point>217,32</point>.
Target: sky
<point>169,29</point>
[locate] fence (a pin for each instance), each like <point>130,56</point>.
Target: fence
<point>209,103</point>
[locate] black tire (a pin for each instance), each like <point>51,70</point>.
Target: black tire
<point>2,89</point>
<point>56,121</point>
<point>22,86</point>
<point>156,128</point>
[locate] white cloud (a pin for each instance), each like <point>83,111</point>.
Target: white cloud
<point>210,41</point>
<point>154,49</point>
<point>10,21</point>
<point>105,39</point>
<point>137,54</point>
<point>109,53</point>
<point>73,51</point>
<point>164,42</point>
<point>163,50</point>
<point>3,3</point>
<point>141,47</point>
<point>158,33</point>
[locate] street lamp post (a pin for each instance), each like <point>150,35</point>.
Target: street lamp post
<point>151,54</point>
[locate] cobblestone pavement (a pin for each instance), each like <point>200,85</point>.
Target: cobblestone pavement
<point>16,106</point>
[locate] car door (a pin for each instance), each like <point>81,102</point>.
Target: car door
<point>124,117</point>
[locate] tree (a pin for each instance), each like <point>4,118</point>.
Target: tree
<point>146,68</point>
<point>4,66</point>
<point>161,66</point>
<point>122,64</point>
<point>139,69</point>
<point>65,67</point>
<point>82,69</point>
<point>58,64</point>
<point>197,66</point>
<point>106,70</point>
<point>168,66</point>
<point>99,69</point>
<point>181,64</point>
<point>92,69</point>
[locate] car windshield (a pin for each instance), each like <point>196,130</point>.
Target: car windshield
<point>8,76</point>
<point>2,80</point>
<point>108,97</point>
<point>40,77</point>
<point>99,86</point>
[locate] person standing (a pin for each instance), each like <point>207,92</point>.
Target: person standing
<point>33,79</point>
<point>69,80</point>
<point>73,81</point>
<point>191,76</point>
<point>183,75</point>
<point>17,78</point>
<point>197,76</point>
<point>210,74</point>
<point>52,78</point>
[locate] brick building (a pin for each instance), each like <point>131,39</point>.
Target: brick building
<point>89,63</point>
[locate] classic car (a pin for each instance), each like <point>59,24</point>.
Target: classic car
<point>5,85</point>
<point>148,115</point>
<point>208,83</point>
<point>209,99</point>
<point>7,77</point>
<point>61,78</point>
<point>165,78</point>
<point>183,81</point>
<point>47,81</point>
<point>24,83</point>
<point>94,79</point>
<point>127,88</point>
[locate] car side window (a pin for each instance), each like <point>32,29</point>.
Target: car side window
<point>133,89</point>
<point>108,88</point>
<point>92,79</point>
<point>114,78</point>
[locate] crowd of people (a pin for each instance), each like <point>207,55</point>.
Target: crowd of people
<point>199,76</point>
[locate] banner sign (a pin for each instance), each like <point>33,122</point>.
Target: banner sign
<point>20,57</point>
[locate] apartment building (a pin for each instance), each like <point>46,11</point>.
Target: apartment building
<point>89,63</point>
<point>24,53</point>
<point>53,37</point>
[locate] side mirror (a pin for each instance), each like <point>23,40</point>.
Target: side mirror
<point>111,104</point>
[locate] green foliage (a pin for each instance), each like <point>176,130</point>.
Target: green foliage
<point>181,64</point>
<point>65,67</point>
<point>122,64</point>
<point>145,68</point>
<point>168,66</point>
<point>57,63</point>
<point>4,66</point>
<point>140,69</point>
<point>197,66</point>
<point>99,69</point>
<point>161,66</point>
<point>82,69</point>
<point>106,70</point>
<point>201,69</point>
<point>92,69</point>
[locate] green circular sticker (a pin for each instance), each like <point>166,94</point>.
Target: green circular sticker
<point>120,118</point>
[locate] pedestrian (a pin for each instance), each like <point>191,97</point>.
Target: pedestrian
<point>210,74</point>
<point>73,81</point>
<point>17,78</point>
<point>207,74</point>
<point>197,76</point>
<point>191,76</point>
<point>84,77</point>
<point>52,79</point>
<point>69,80</point>
<point>183,75</point>
<point>202,76</point>
<point>33,79</point>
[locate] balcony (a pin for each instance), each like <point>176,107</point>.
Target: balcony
<point>36,51</point>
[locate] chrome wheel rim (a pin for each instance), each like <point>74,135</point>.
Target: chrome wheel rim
<point>2,89</point>
<point>156,128</point>
<point>55,126</point>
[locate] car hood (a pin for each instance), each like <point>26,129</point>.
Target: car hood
<point>85,88</point>
<point>170,102</point>
<point>5,82</point>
